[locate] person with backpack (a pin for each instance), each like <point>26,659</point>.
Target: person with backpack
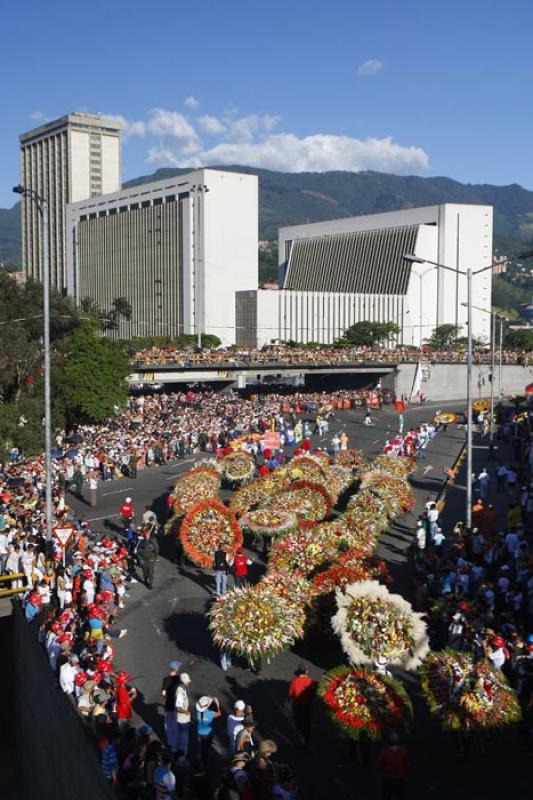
<point>240,568</point>
<point>235,785</point>
<point>147,553</point>
<point>244,741</point>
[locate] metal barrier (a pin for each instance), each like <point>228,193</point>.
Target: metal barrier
<point>14,577</point>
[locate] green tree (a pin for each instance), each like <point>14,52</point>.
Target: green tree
<point>518,339</point>
<point>444,337</point>
<point>93,377</point>
<point>368,334</point>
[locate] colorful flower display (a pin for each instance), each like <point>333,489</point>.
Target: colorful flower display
<point>467,695</point>
<point>197,484</point>
<point>238,468</point>
<point>290,584</point>
<point>309,501</point>
<point>255,622</point>
<point>268,522</point>
<point>352,458</point>
<point>304,550</point>
<point>351,567</point>
<point>362,702</point>
<point>397,466</point>
<point>395,493</point>
<point>259,491</point>
<point>307,467</point>
<point>372,623</point>
<point>208,526</point>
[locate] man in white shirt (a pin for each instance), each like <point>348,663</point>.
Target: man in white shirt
<point>67,673</point>
<point>433,517</point>
<point>484,481</point>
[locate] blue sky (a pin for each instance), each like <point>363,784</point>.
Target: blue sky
<point>395,85</point>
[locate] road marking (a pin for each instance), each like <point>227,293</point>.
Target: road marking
<point>107,516</point>
<point>427,469</point>
<point>118,491</point>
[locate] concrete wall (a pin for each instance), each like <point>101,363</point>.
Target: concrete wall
<point>56,758</point>
<point>448,381</point>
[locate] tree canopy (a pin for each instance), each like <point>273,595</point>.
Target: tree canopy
<point>368,334</point>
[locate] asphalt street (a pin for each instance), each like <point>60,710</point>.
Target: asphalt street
<point>169,622</point>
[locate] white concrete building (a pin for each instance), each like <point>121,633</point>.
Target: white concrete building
<point>72,158</point>
<point>340,272</point>
<point>178,250</point>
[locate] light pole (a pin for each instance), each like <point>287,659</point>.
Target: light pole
<point>42,206</point>
<point>198,259</point>
<point>469,273</point>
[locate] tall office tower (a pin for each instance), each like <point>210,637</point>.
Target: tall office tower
<point>72,158</point>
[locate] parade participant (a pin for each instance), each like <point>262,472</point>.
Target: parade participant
<point>183,717</point>
<point>207,710</point>
<point>147,553</point>
<point>240,567</point>
<point>221,571</point>
<point>127,512</point>
<point>168,693</point>
<point>301,693</point>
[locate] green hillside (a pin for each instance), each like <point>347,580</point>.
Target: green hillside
<point>10,244</point>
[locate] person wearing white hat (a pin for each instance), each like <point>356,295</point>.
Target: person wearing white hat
<point>207,710</point>
<point>235,721</point>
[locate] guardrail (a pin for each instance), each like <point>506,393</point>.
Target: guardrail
<point>14,577</point>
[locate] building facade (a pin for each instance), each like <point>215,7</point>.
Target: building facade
<point>337,273</point>
<point>72,158</point>
<point>177,250</point>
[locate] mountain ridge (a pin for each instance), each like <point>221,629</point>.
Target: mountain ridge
<point>290,198</point>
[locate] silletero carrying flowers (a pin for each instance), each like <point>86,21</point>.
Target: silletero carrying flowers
<point>362,702</point>
<point>468,695</point>
<point>309,501</point>
<point>372,623</point>
<point>208,526</point>
<point>255,622</point>
<point>198,484</point>
<point>265,522</point>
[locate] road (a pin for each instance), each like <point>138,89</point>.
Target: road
<point>169,622</point>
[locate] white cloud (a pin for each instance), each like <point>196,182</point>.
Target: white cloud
<point>38,116</point>
<point>175,139</point>
<point>191,102</point>
<point>245,129</point>
<point>317,153</point>
<point>211,125</point>
<point>370,67</point>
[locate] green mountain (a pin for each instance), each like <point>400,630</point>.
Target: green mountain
<point>287,198</point>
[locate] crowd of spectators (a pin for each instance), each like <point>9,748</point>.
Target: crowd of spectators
<point>275,355</point>
<point>476,586</point>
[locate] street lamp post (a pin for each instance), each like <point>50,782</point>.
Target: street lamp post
<point>42,206</point>
<point>469,274</point>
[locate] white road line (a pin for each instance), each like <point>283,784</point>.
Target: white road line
<point>118,491</point>
<point>107,516</point>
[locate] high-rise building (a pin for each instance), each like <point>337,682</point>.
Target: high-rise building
<point>70,159</point>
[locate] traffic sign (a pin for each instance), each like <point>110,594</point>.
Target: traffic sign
<point>63,534</point>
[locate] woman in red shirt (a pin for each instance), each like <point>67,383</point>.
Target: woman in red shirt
<point>123,698</point>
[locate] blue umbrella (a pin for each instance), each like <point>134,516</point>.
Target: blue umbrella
<point>71,453</point>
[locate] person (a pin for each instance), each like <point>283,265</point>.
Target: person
<point>301,692</point>
<point>168,693</point>
<point>124,696</point>
<point>67,674</point>
<point>147,553</point>
<point>343,438</point>
<point>127,512</point>
<point>221,571</point>
<point>401,422</point>
<point>109,762</point>
<point>483,482</point>
<point>235,721</point>
<point>368,417</point>
<point>244,742</point>
<point>335,444</point>
<point>164,780</point>
<point>207,710</point>
<point>235,785</point>
<point>77,480</point>
<point>183,717</point>
<point>433,519</point>
<point>501,478</point>
<point>93,486</point>
<point>240,567</point>
<point>393,763</point>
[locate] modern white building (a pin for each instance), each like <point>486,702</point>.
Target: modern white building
<point>337,273</point>
<point>177,250</point>
<point>72,158</point>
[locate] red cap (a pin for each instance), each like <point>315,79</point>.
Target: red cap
<point>80,678</point>
<point>35,599</point>
<point>65,637</point>
<point>87,573</point>
<point>104,666</point>
<point>123,677</point>
<point>55,627</point>
<point>498,641</point>
<point>64,617</point>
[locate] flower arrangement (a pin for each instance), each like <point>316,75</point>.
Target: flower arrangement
<point>268,522</point>
<point>309,501</point>
<point>466,694</point>
<point>319,457</point>
<point>200,483</point>
<point>255,622</point>
<point>259,491</point>
<point>395,492</point>
<point>397,466</point>
<point>238,468</point>
<point>354,532</point>
<point>290,584</point>
<point>372,623</point>
<point>304,550</point>
<point>307,467</point>
<point>352,458</point>
<point>208,526</point>
<point>362,702</point>
<point>368,507</point>
<point>351,567</point>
